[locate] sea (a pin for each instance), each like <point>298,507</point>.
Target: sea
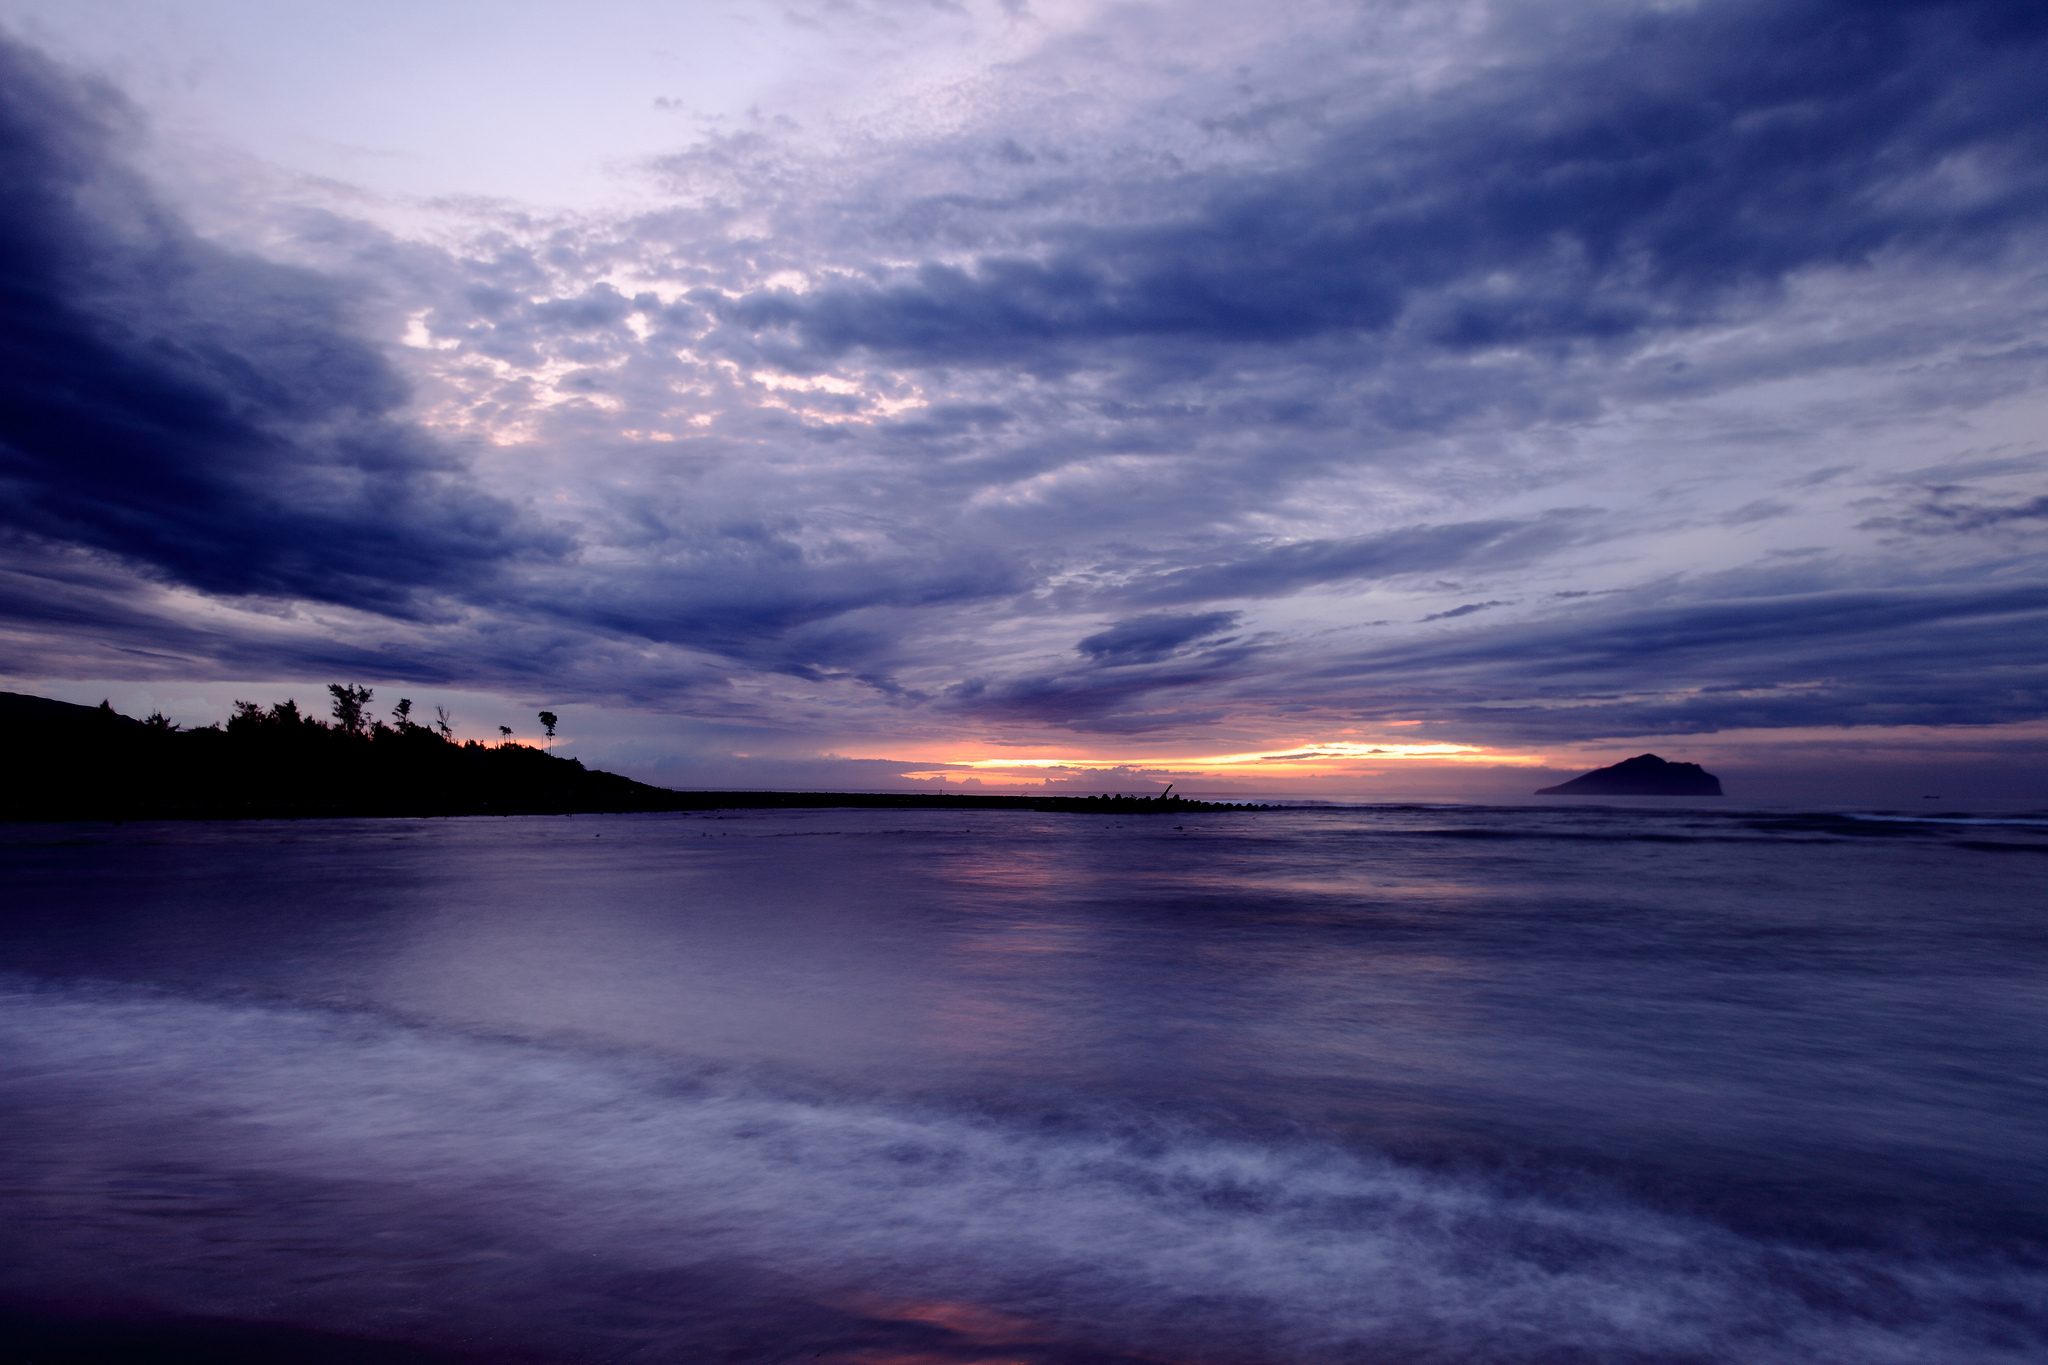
<point>1531,1084</point>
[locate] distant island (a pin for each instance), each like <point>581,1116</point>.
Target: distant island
<point>1643,775</point>
<point>71,762</point>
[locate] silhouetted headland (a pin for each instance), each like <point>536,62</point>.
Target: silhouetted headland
<point>92,763</point>
<point>1643,775</point>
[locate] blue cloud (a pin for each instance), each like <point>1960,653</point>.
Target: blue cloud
<point>1465,610</point>
<point>1615,178</point>
<point>1948,656</point>
<point>1145,639</point>
<point>1115,453</point>
<point>209,416</point>
<point>1276,571</point>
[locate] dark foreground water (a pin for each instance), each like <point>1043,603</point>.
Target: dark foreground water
<point>1389,1085</point>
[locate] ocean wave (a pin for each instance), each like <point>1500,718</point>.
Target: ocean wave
<point>346,1170</point>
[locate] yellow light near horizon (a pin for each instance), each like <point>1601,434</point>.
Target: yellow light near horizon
<point>1307,754</point>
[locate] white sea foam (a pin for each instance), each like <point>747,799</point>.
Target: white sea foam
<point>294,1147</point>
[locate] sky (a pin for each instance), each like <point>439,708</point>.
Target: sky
<point>1338,399</point>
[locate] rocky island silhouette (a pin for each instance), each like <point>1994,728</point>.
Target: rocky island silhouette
<point>1643,775</point>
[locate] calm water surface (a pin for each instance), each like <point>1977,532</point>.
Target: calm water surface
<point>1394,1084</point>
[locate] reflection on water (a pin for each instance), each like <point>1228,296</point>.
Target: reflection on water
<point>1463,1086</point>
<point>959,1334</point>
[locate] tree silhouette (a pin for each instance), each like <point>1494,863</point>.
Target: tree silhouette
<point>87,763</point>
<point>402,713</point>
<point>444,722</point>
<point>349,702</point>
<point>550,720</point>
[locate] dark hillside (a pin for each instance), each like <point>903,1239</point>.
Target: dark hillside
<point>79,762</point>
<point>71,762</point>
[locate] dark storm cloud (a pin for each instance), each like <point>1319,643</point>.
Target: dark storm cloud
<point>1277,571</point>
<point>1135,677</point>
<point>97,619</point>
<point>1143,639</point>
<point>1950,511</point>
<point>204,414</point>
<point>1968,656</point>
<point>1169,695</point>
<point>1455,612</point>
<point>763,598</point>
<point>1623,666</point>
<point>1616,176</point>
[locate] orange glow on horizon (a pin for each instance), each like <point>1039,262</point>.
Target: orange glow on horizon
<point>1303,759</point>
<point>1307,753</point>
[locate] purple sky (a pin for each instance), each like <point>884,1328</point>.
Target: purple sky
<point>1338,398</point>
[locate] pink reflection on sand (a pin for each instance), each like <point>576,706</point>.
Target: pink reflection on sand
<point>974,1335</point>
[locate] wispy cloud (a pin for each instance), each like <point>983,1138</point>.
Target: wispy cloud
<point>1556,375</point>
